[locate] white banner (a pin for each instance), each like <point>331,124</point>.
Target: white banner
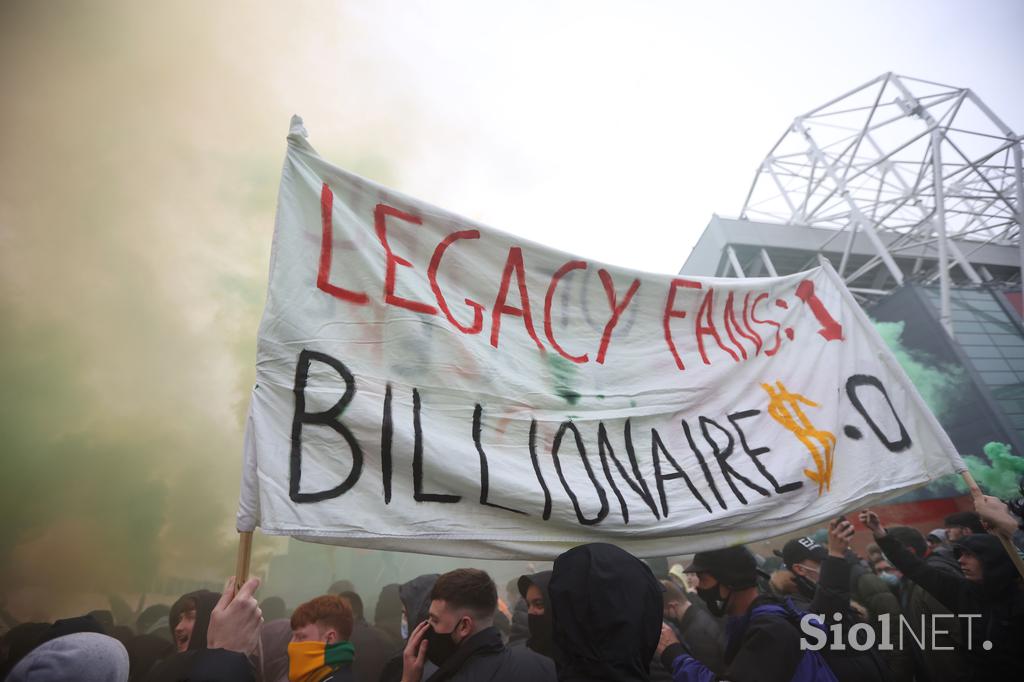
<point>428,384</point>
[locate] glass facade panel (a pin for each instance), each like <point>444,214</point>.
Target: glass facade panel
<point>998,378</point>
<point>993,343</point>
<point>972,339</point>
<point>1007,340</point>
<point>991,365</point>
<point>982,352</point>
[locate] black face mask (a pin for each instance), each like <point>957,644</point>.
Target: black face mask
<point>712,596</point>
<point>541,634</point>
<point>440,646</point>
<point>805,586</point>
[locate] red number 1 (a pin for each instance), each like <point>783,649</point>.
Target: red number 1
<point>830,329</point>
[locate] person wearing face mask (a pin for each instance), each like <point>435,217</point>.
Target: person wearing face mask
<point>701,632</point>
<point>989,592</point>
<point>763,644</point>
<point>823,581</point>
<point>320,650</point>
<point>534,591</point>
<point>459,637</point>
<point>763,630</point>
<point>414,605</point>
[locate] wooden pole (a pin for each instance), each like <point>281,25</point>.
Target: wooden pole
<point>976,495</point>
<point>244,557</point>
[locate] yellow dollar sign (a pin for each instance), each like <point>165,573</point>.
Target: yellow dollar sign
<point>784,407</point>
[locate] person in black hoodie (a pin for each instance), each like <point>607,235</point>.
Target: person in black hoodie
<point>459,637</point>
<point>943,661</point>
<point>189,619</point>
<point>189,622</point>
<point>230,633</point>
<point>607,608</point>
<point>989,593</point>
<point>534,590</point>
<point>415,598</point>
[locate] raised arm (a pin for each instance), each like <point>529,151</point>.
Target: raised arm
<point>945,587</point>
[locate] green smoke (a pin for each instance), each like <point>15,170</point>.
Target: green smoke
<point>1000,476</point>
<point>938,383</point>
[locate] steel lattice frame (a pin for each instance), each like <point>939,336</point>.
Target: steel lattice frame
<point>907,162</point>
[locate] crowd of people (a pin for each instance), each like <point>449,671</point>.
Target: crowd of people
<point>944,607</point>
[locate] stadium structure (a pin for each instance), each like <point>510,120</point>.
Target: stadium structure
<point>914,192</point>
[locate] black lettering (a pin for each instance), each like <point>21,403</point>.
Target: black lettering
<point>590,473</point>
<point>417,460</point>
<point>639,486</point>
<point>722,455</point>
<point>536,470</point>
<point>734,419</point>
<point>484,476</point>
<point>326,418</point>
<point>703,465</point>
<point>657,444</point>
<point>858,380</point>
<point>387,428</point>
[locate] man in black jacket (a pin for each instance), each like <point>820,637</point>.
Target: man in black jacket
<point>934,623</point>
<point>988,598</point>
<point>764,646</point>
<point>701,631</point>
<point>459,637</point>
<point>764,642</point>
<point>824,585</point>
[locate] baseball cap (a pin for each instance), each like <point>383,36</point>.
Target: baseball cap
<point>801,549</point>
<point>733,566</point>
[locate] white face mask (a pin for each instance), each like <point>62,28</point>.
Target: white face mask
<point>405,628</point>
<point>815,573</point>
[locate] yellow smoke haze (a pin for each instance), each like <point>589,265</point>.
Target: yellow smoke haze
<point>141,150</point>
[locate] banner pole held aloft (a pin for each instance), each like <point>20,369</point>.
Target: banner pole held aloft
<point>244,557</point>
<point>976,495</point>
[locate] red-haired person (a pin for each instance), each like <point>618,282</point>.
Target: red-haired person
<point>320,650</point>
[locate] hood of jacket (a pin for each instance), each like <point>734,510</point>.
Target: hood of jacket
<point>607,610</point>
<point>998,571</point>
<point>205,601</point>
<point>415,596</point>
<point>541,628</point>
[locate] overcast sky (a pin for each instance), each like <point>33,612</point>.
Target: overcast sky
<point>616,129</point>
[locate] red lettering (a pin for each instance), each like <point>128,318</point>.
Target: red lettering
<point>435,263</point>
<point>514,262</point>
<point>548,331</point>
<point>830,330</point>
<point>380,215</point>
<point>778,339</point>
<point>609,290</point>
<point>706,312</point>
<point>731,322</point>
<point>326,250</point>
<point>671,312</point>
<point>746,323</point>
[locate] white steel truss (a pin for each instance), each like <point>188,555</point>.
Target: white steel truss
<point>909,164</point>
